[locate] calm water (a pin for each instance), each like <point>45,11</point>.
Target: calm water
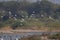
<point>14,36</point>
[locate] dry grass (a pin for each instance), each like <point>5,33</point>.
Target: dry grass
<point>6,28</point>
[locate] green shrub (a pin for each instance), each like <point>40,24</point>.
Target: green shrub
<point>17,23</point>
<point>2,25</point>
<point>53,24</point>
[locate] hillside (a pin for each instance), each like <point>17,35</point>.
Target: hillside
<point>25,15</point>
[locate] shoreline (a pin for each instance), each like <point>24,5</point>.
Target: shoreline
<point>26,31</point>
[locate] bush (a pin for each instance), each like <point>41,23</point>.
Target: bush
<point>2,25</point>
<point>53,24</point>
<point>16,24</point>
<point>55,36</point>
